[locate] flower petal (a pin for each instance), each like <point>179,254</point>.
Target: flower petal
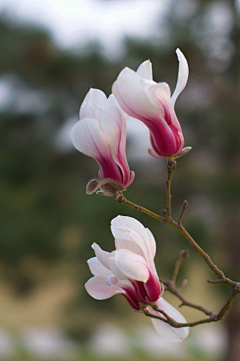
<point>88,137</point>
<point>97,268</point>
<point>183,72</point>
<point>88,107</point>
<point>98,289</point>
<point>116,271</point>
<point>166,331</point>
<point>145,70</point>
<point>130,91</point>
<point>102,256</point>
<point>132,265</point>
<point>132,235</point>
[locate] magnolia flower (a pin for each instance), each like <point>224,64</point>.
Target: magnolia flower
<point>130,271</point>
<point>101,134</point>
<point>142,98</point>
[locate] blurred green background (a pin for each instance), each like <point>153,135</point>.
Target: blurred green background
<point>48,223</point>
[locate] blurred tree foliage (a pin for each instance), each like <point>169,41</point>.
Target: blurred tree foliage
<point>43,181</point>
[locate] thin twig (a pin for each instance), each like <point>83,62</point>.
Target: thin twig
<point>169,286</point>
<point>183,211</point>
<point>181,229</point>
<point>183,255</point>
<point>123,200</point>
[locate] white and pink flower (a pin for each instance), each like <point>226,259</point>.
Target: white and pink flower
<point>130,271</point>
<point>142,98</point>
<point>101,134</point>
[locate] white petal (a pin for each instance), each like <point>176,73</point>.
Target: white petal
<point>88,137</point>
<point>94,97</point>
<point>151,243</point>
<point>125,222</point>
<point>112,101</point>
<point>166,331</point>
<point>102,256</point>
<point>97,268</point>
<point>113,125</point>
<point>116,271</point>
<point>97,288</point>
<point>133,93</point>
<point>145,70</point>
<point>183,72</point>
<point>162,94</point>
<point>132,231</point>
<point>132,265</point>
<point>130,245</point>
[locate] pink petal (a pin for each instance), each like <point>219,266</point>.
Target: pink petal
<point>113,125</point>
<point>97,268</point>
<point>97,288</point>
<point>87,137</point>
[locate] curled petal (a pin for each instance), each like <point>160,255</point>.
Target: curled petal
<point>183,72</point>
<point>102,256</point>
<point>166,331</point>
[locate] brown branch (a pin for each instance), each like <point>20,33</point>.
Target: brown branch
<point>171,285</point>
<point>212,316</point>
<point>181,229</point>
<point>121,199</point>
<point>174,323</point>
<point>171,164</point>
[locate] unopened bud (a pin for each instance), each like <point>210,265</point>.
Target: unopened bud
<point>185,253</point>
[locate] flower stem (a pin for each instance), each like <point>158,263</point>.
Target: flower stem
<point>171,164</point>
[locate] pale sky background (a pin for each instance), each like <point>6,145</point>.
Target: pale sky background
<point>75,22</point>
